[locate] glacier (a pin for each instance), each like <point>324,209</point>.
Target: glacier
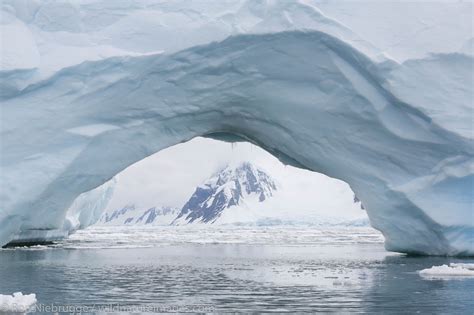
<point>91,92</point>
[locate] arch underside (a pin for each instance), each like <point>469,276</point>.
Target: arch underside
<point>308,98</point>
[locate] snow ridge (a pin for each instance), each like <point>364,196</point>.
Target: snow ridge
<point>131,215</point>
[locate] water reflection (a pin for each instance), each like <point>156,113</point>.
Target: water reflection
<point>397,285</point>
<point>237,277</point>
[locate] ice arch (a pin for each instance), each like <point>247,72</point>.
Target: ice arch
<point>306,97</point>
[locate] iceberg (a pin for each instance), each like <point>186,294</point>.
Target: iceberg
<point>279,74</point>
<point>454,270</point>
<point>17,302</point>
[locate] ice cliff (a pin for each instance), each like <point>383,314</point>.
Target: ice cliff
<point>91,87</point>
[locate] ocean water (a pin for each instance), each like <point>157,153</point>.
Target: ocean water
<point>239,269</point>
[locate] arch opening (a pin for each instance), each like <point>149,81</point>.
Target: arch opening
<point>209,182</point>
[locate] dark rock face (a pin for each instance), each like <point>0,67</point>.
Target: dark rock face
<point>357,200</point>
<point>227,188</point>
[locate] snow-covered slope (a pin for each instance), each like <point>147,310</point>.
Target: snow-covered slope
<point>232,186</point>
<point>131,215</point>
<point>400,134</point>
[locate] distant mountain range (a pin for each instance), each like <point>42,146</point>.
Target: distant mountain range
<point>130,215</point>
<point>234,188</point>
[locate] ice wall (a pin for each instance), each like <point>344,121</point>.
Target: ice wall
<point>399,133</point>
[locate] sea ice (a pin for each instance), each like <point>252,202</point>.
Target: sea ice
<point>16,303</point>
<point>453,270</point>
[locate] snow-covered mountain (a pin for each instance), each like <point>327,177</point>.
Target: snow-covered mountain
<point>132,215</point>
<point>232,186</point>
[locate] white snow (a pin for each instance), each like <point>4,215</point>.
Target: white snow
<point>92,130</point>
<point>453,270</point>
<point>17,45</point>
<point>395,27</point>
<point>399,131</point>
<point>17,302</point>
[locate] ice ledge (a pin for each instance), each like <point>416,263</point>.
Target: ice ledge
<point>37,237</point>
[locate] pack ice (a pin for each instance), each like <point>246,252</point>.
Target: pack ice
<point>379,96</point>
